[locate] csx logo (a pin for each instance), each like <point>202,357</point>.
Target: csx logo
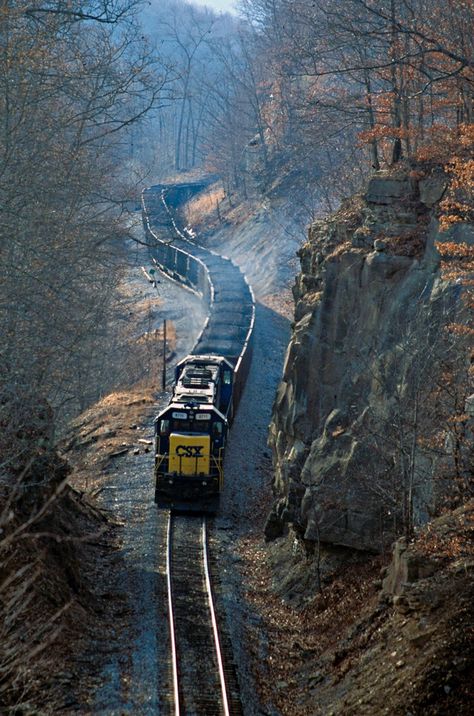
<point>189,450</point>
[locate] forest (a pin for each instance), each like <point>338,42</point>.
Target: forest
<point>301,99</point>
<point>288,92</point>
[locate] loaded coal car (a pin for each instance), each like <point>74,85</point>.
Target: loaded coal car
<point>191,433</point>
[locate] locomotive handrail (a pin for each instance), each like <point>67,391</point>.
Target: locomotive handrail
<point>218,463</point>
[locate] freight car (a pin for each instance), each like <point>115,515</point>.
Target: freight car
<point>191,432</point>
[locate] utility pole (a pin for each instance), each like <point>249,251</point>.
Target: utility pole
<point>163,376</point>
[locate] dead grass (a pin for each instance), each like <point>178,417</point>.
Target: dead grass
<point>411,244</point>
<point>348,652</point>
<point>340,250</point>
<point>113,425</point>
<point>281,303</point>
<point>211,209</point>
<point>295,637</point>
<point>451,537</point>
<point>205,207</point>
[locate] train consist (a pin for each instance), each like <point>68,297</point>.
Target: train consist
<point>191,432</point>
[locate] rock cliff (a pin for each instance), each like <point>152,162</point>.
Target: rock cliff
<point>355,445</point>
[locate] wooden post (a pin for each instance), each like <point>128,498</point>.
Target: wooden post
<point>163,376</point>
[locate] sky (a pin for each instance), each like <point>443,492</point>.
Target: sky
<point>218,5</point>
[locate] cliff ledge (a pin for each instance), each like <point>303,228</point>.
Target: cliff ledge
<point>360,431</point>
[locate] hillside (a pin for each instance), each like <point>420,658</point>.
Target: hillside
<point>379,639</point>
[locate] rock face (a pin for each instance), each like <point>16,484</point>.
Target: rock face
<point>360,369</point>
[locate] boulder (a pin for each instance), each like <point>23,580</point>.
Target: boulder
<point>432,189</point>
<point>274,525</point>
<point>407,566</point>
<point>387,190</point>
<point>362,238</point>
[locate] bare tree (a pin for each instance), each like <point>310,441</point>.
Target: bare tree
<point>414,423</point>
<point>73,78</point>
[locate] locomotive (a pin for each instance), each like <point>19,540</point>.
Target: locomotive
<point>191,433</point>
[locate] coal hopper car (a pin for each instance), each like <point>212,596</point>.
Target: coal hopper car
<point>192,431</point>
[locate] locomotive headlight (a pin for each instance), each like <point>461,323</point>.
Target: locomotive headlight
<point>204,483</point>
<point>170,482</point>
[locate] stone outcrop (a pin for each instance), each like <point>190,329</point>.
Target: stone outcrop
<point>367,338</point>
<point>447,544</point>
<point>407,566</point>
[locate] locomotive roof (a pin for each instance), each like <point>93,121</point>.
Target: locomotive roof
<point>198,383</point>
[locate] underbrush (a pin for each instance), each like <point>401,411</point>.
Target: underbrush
<point>45,594</point>
<point>361,646</point>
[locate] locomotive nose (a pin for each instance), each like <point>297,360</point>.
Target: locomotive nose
<point>189,454</point>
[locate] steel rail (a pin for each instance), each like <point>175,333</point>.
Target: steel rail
<point>174,654</point>
<point>212,619</point>
<point>217,645</point>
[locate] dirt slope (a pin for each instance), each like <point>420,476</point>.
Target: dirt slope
<point>357,648</point>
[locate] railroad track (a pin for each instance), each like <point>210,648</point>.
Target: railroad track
<point>204,681</point>
<point>201,680</point>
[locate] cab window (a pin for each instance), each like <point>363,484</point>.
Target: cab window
<point>227,377</point>
<point>190,426</point>
<point>164,427</point>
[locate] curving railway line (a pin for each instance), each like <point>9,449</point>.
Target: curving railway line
<point>202,679</point>
<point>228,330</point>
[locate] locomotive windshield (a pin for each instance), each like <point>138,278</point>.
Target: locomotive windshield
<point>184,426</point>
<point>190,426</point>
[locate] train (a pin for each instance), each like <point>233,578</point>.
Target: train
<point>191,432</point>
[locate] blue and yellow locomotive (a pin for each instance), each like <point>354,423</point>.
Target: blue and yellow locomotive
<point>191,433</point>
